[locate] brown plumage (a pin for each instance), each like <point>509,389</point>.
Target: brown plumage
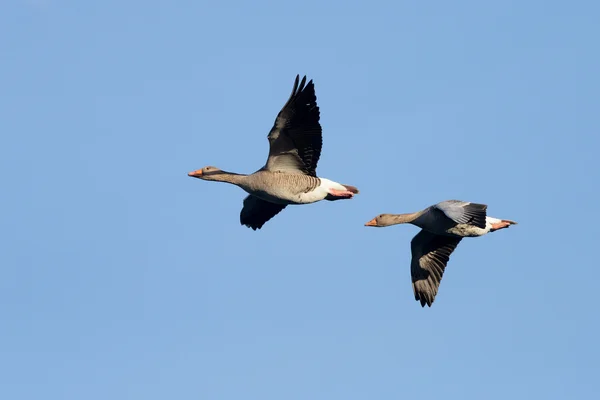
<point>290,173</point>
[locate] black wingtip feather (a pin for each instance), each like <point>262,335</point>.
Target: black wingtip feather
<point>424,301</point>
<point>302,84</point>
<point>251,222</point>
<point>295,88</point>
<point>299,87</point>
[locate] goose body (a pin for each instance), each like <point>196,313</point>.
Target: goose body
<point>443,226</point>
<point>455,218</point>
<point>289,175</point>
<point>281,188</point>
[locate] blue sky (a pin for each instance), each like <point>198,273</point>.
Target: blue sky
<point>121,278</point>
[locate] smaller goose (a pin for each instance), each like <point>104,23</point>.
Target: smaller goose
<point>443,226</point>
<point>290,174</point>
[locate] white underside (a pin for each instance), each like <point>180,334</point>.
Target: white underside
<point>470,230</point>
<point>320,192</point>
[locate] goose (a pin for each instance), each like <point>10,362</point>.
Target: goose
<point>289,175</point>
<point>443,226</point>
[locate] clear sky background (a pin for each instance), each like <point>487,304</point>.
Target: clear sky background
<point>122,278</point>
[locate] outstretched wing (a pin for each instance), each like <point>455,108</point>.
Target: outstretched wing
<point>463,212</point>
<point>256,212</point>
<point>430,255</point>
<point>295,139</point>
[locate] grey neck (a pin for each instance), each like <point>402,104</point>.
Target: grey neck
<point>409,218</point>
<point>229,177</point>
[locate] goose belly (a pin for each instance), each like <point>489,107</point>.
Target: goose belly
<point>274,196</point>
<point>292,189</point>
<point>466,230</point>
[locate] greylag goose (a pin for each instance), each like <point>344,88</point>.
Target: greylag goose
<point>443,226</point>
<point>289,176</point>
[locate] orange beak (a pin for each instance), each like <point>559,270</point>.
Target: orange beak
<point>195,174</point>
<point>372,222</point>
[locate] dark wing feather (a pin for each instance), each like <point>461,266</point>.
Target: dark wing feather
<point>295,139</point>
<point>257,211</point>
<point>430,255</point>
<point>463,212</point>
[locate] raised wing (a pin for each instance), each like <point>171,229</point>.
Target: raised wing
<point>463,212</point>
<point>295,139</point>
<point>256,212</point>
<point>430,255</point>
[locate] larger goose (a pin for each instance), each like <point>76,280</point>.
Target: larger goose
<point>289,176</point>
<point>443,226</point>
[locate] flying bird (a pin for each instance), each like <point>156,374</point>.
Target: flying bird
<point>289,176</point>
<point>443,226</point>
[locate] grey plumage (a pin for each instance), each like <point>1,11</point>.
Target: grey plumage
<point>430,255</point>
<point>443,226</point>
<point>463,212</point>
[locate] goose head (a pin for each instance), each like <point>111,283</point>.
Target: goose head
<point>207,173</point>
<point>383,220</point>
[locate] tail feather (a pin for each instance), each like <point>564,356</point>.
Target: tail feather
<point>351,189</point>
<point>501,224</point>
